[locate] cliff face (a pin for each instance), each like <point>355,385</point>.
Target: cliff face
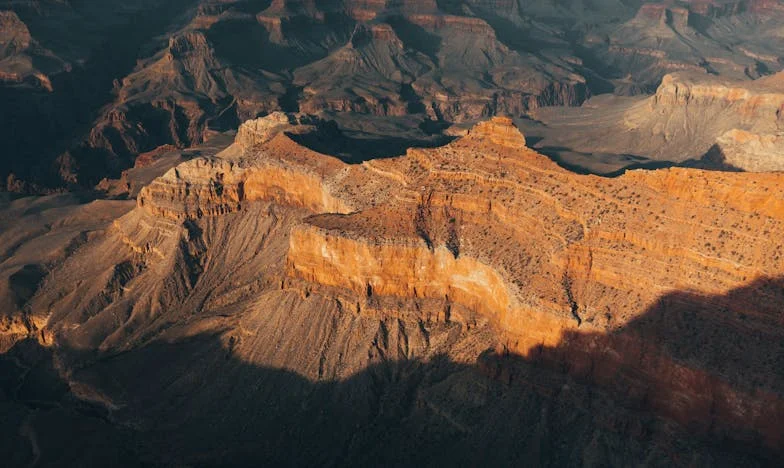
<point>690,120</point>
<point>695,112</point>
<point>656,289</point>
<point>571,279</point>
<point>115,90</point>
<point>753,152</point>
<point>759,100</point>
<point>666,37</point>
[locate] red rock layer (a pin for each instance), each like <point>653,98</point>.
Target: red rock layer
<point>647,285</point>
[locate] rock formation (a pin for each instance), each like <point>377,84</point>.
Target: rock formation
<point>115,90</point>
<point>738,149</point>
<point>666,37</point>
<point>682,122</point>
<point>646,303</point>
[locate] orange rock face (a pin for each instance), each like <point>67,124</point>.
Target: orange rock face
<point>583,273</point>
<point>659,290</point>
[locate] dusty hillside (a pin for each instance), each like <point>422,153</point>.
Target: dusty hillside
<point>457,303</point>
<point>692,119</point>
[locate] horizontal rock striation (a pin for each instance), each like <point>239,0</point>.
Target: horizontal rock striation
<point>760,100</point>
<point>746,151</point>
<point>210,187</point>
<point>580,273</point>
<point>568,268</point>
<point>657,288</point>
<point>690,116</point>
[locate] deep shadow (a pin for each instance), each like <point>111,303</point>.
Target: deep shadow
<point>195,402</point>
<point>357,149</point>
<point>416,37</point>
<point>531,141</point>
<point>723,352</point>
<point>737,335</point>
<point>24,283</point>
<point>713,160</point>
<point>44,424</point>
<point>67,114</point>
<point>559,155</point>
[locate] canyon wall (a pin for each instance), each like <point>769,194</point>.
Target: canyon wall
<point>691,120</point>
<point>117,90</point>
<point>656,291</point>
<point>648,286</point>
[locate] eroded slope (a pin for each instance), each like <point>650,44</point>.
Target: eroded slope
<point>692,119</point>
<point>105,83</point>
<point>442,289</point>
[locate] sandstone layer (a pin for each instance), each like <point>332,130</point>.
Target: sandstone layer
<point>419,297</point>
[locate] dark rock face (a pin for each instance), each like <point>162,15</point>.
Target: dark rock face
<point>53,88</point>
<point>141,74</point>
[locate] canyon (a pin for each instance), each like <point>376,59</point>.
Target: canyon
<point>419,301</point>
<point>127,85</point>
<point>391,232</point>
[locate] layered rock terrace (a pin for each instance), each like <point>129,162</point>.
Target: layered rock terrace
<point>567,268</point>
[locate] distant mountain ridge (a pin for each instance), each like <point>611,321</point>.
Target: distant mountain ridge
<point>142,75</point>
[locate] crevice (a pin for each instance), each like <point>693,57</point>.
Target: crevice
<point>422,220</point>
<point>566,282</point>
<point>453,234</point>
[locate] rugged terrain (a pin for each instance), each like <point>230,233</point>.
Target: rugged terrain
<point>692,119</point>
<point>471,302</point>
<point>105,83</point>
<point>370,270</point>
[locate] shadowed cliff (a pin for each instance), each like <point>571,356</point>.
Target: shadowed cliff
<point>198,400</point>
<point>712,363</point>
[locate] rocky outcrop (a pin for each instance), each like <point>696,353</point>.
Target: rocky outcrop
<point>680,124</point>
<point>752,152</point>
<point>696,111</point>
<point>259,131</point>
<point>765,95</point>
<point>500,131</point>
<point>211,187</point>
<point>655,287</point>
